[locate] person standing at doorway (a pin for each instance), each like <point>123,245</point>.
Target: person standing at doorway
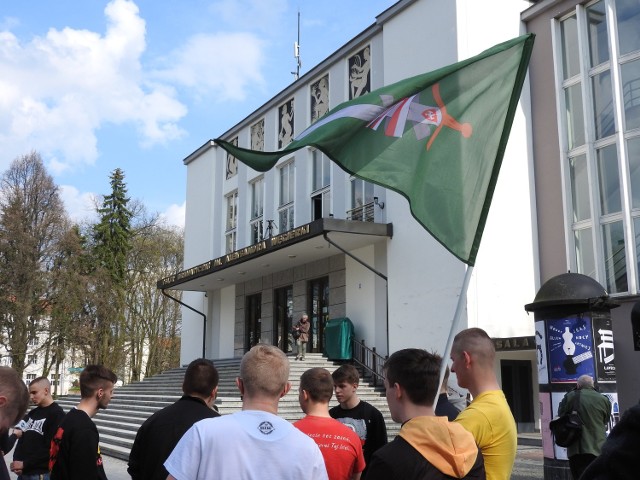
<point>35,431</point>
<point>302,327</point>
<point>362,417</point>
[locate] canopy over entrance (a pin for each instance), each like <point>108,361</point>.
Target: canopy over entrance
<point>301,245</point>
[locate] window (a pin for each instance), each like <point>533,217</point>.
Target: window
<point>33,341</point>
<point>31,359</point>
<point>55,379</point>
<point>285,210</point>
<point>257,210</point>
<point>320,185</point>
<point>361,201</point>
<point>600,136</point>
<point>232,222</point>
<point>30,378</point>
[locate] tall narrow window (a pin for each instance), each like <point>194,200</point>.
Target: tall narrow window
<point>602,157</point>
<point>361,201</point>
<point>320,185</point>
<point>232,222</point>
<point>257,210</point>
<point>286,210</point>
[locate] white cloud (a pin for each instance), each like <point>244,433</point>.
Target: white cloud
<point>223,65</point>
<point>61,87</point>
<point>80,206</point>
<point>251,14</point>
<point>174,215</point>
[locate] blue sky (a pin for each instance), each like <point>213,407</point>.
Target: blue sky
<point>138,85</point>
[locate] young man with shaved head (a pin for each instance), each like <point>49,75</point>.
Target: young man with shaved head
<point>488,417</point>
<point>35,431</point>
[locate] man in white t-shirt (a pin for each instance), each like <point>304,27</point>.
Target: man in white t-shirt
<point>254,443</point>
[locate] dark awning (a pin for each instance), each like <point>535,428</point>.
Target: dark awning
<point>290,249</point>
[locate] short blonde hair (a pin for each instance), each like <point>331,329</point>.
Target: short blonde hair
<point>264,371</point>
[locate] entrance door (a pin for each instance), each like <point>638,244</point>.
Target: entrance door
<point>252,319</point>
<point>516,384</point>
<point>283,318</point>
<point>318,312</point>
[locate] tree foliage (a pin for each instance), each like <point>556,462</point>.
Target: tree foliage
<point>86,292</point>
<point>32,223</point>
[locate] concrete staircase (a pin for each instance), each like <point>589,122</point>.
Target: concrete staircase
<point>132,404</point>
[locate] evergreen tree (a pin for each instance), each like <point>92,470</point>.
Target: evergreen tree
<point>111,247</point>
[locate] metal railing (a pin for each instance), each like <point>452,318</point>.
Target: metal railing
<point>372,364</point>
<point>365,213</point>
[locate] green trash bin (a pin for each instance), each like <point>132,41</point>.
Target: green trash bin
<point>338,337</point>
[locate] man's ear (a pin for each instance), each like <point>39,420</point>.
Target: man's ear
<point>286,389</point>
<point>3,401</point>
<point>399,391</point>
<point>467,359</point>
<point>240,385</point>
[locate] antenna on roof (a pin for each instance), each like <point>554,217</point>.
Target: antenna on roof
<point>296,53</point>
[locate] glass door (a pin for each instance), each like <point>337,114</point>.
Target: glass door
<point>252,320</point>
<point>318,311</point>
<point>283,318</point>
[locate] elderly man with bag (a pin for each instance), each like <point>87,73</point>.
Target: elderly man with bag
<point>594,410</point>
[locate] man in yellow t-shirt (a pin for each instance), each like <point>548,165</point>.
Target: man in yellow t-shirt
<point>488,417</point>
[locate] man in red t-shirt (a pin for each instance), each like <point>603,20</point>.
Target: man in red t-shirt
<point>340,446</point>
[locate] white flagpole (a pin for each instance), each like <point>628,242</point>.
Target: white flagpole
<point>454,329</point>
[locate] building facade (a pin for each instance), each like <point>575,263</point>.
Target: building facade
<point>585,146</point>
<point>263,248</point>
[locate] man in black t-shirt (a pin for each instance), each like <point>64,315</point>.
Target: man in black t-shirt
<point>160,433</point>
<point>75,450</point>
<point>35,431</point>
<point>362,417</point>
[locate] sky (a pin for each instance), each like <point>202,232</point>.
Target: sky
<point>139,85</point>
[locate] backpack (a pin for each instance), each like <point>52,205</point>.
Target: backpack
<point>567,429</point>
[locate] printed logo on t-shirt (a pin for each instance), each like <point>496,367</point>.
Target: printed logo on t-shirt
<point>358,425</point>
<point>34,425</point>
<point>266,428</point>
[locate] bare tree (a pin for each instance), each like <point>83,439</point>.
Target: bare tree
<point>32,221</point>
<point>153,320</point>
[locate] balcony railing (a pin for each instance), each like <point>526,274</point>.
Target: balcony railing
<point>361,214</point>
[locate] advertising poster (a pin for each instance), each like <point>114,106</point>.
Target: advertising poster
<point>545,417</point>
<point>603,346</point>
<point>615,411</point>
<point>556,398</point>
<point>541,353</point>
<point>570,348</point>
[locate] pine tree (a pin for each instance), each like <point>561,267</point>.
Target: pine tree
<point>111,246</point>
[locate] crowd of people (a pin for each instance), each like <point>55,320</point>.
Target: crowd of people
<point>191,440</point>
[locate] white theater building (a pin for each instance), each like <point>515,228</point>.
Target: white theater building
<point>262,248</point>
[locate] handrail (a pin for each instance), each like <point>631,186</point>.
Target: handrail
<point>371,362</point>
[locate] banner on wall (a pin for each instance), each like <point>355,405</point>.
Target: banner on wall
<point>570,348</point>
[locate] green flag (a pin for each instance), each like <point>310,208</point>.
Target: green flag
<point>438,139</point>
